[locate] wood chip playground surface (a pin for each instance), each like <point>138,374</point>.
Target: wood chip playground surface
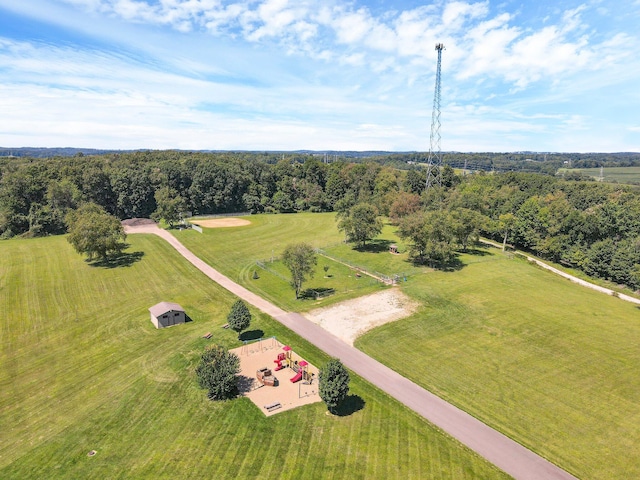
<point>260,354</point>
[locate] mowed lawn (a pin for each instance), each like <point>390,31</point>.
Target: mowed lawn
<point>234,251</point>
<point>551,364</point>
<point>82,368</point>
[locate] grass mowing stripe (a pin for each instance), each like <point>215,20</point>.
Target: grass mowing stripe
<point>549,363</point>
<point>265,238</point>
<point>512,332</point>
<point>102,377</point>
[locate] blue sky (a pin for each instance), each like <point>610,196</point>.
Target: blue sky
<point>322,75</point>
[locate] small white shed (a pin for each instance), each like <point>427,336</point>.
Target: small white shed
<point>166,314</point>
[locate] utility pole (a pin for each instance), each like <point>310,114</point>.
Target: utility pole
<point>434,161</point>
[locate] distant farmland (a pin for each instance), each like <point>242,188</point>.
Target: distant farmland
<point>629,175</point>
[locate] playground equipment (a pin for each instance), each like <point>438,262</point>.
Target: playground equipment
<point>265,377</point>
<point>278,361</point>
<point>297,377</point>
<point>302,369</point>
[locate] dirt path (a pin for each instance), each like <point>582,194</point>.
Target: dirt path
<point>498,449</point>
<point>570,277</point>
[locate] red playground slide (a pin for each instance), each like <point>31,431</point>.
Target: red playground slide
<point>298,377</point>
<point>278,361</point>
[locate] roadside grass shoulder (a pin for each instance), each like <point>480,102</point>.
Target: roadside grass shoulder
<point>82,368</point>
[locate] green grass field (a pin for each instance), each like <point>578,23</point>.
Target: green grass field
<point>551,364</point>
<point>82,368</point>
<point>234,251</point>
<point>630,175</point>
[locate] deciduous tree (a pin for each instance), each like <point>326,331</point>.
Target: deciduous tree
<point>466,226</point>
<point>404,204</point>
<point>506,223</point>
<point>239,317</point>
<point>217,372</point>
<point>301,260</point>
<point>361,223</point>
<point>94,232</point>
<point>169,204</point>
<point>334,384</point>
<point>431,236</point>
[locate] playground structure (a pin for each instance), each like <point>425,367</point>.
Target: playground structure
<point>278,361</point>
<point>265,377</point>
<point>301,389</point>
<point>299,367</point>
<point>302,369</point>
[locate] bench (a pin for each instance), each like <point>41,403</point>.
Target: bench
<point>273,406</point>
<point>207,335</point>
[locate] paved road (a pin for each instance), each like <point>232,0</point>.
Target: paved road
<point>500,450</point>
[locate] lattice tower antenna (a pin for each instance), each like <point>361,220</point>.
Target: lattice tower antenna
<point>434,161</point>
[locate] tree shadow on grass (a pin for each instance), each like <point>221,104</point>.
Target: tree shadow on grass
<point>125,259</point>
<point>349,406</point>
<point>251,335</point>
<point>316,293</point>
<point>453,265</point>
<point>374,246</point>
<point>477,252</point>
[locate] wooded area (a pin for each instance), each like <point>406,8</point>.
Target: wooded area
<point>584,224</point>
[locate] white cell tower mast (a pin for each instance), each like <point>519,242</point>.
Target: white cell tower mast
<point>434,161</point>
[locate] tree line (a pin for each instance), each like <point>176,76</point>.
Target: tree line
<point>587,225</point>
<point>36,194</point>
<point>591,226</point>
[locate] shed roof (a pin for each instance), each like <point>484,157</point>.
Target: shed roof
<point>163,307</point>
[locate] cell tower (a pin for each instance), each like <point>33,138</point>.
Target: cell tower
<point>434,161</point>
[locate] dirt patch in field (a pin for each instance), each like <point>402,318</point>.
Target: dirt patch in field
<point>350,319</point>
<point>222,222</point>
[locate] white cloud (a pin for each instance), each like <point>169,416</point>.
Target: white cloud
<point>478,44</point>
<point>93,98</point>
<point>456,14</point>
<point>328,71</point>
<point>352,27</point>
